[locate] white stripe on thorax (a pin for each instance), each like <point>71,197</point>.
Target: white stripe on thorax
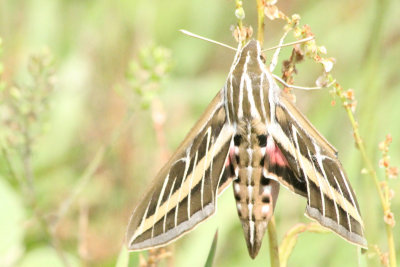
<point>242,82</point>
<point>253,109</point>
<point>264,112</point>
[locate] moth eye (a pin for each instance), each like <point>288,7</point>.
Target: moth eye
<point>264,180</point>
<point>262,140</point>
<point>237,140</point>
<point>262,58</point>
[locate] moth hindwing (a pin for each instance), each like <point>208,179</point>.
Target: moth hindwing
<point>253,135</point>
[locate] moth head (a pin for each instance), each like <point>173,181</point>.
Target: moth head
<point>248,59</point>
<point>251,48</point>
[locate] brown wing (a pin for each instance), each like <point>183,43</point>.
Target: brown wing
<point>314,171</point>
<point>184,191</point>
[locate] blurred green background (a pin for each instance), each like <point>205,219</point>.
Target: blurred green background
<point>84,146</point>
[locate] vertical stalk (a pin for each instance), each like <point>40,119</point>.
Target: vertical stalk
<point>372,66</point>
<point>372,62</point>
<point>273,243</point>
<point>240,15</point>
<point>260,21</point>
<point>239,4</point>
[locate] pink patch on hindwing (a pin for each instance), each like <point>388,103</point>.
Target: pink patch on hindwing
<point>230,157</point>
<point>275,154</point>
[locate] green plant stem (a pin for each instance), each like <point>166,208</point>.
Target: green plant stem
<point>273,243</point>
<point>50,235</point>
<point>260,21</point>
<point>372,60</point>
<point>211,254</point>
<point>31,203</point>
<point>27,162</point>
<point>83,181</point>
<point>384,201</point>
<point>238,4</point>
<point>91,169</point>
<point>11,171</point>
<point>31,198</point>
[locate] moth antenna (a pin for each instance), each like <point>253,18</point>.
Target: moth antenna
<point>206,39</point>
<point>301,87</point>
<point>290,44</point>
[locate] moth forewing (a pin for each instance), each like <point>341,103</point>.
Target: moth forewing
<point>184,191</point>
<point>253,134</point>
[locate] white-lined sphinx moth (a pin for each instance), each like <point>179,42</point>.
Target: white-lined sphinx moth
<point>253,136</point>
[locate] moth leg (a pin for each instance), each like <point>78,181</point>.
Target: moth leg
<point>276,77</point>
<point>274,60</point>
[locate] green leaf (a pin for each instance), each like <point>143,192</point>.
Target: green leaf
<point>123,257</point>
<point>211,254</point>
